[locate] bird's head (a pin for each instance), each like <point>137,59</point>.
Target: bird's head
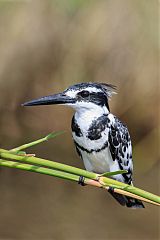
<point>82,96</point>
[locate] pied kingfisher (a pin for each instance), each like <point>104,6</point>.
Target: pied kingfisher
<point>101,139</point>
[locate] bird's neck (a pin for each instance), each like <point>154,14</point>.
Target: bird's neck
<point>84,117</point>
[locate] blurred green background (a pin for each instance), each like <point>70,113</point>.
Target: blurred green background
<point>45,46</point>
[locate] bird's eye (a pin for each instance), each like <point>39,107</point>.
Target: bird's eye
<point>84,94</point>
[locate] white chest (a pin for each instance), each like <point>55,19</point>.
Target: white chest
<point>95,153</point>
<point>99,162</point>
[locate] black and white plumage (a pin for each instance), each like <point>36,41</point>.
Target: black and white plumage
<point>101,139</point>
<point>114,144</point>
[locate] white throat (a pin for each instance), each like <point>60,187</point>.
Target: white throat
<point>85,116</point>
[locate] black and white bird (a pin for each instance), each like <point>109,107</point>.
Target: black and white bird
<point>101,139</point>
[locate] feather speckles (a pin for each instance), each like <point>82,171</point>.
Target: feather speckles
<point>97,127</point>
<point>107,140</point>
<point>75,128</point>
<point>101,139</point>
<point>120,148</point>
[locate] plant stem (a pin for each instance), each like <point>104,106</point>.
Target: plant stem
<point>64,175</point>
<point>48,163</point>
<point>46,171</point>
<point>31,144</point>
<point>129,188</point>
<point>90,176</point>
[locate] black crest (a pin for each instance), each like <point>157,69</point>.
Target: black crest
<point>100,96</point>
<point>109,89</point>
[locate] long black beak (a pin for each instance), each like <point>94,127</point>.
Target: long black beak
<point>59,98</point>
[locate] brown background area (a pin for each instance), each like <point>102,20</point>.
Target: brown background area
<point>45,46</point>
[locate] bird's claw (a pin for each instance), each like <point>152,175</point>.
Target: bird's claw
<point>111,189</point>
<point>81,181</point>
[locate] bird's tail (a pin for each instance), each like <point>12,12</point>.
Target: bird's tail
<point>126,201</point>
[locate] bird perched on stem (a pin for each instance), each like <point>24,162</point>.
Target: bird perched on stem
<point>101,139</point>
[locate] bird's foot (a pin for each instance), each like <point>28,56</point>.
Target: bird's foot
<point>111,190</point>
<point>81,181</point>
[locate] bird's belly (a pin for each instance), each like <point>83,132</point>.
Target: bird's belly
<point>98,162</point>
<point>95,153</point>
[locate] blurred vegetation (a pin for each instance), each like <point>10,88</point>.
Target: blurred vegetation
<point>46,46</point>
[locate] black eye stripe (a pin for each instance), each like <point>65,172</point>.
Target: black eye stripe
<point>98,98</point>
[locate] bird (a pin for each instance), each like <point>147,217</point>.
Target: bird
<point>102,141</point>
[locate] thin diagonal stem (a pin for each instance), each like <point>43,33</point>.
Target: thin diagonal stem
<point>66,176</point>
<point>104,181</point>
<point>47,163</point>
<point>46,171</point>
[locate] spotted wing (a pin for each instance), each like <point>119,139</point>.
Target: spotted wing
<point>120,148</point>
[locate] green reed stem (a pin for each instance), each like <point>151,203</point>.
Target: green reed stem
<point>63,171</point>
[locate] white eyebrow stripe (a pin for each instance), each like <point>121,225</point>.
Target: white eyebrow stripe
<point>73,92</point>
<point>92,89</point>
